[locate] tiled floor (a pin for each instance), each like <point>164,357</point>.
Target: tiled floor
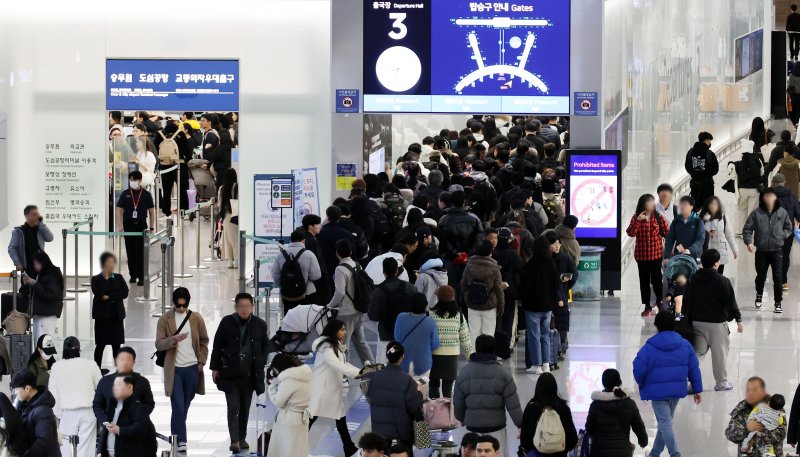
<point>603,334</point>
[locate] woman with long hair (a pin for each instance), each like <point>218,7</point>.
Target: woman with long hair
<point>546,398</point>
<point>454,340</point>
<point>612,415</point>
<point>542,294</point>
<point>648,228</point>
<point>229,213</point>
<point>47,295</point>
<point>758,134</point>
<point>290,391</point>
<point>330,364</point>
<point>719,234</point>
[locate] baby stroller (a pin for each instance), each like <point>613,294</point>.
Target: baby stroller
<point>299,328</point>
<point>204,183</point>
<point>680,264</point>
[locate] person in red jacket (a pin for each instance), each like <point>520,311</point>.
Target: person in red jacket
<point>648,229</point>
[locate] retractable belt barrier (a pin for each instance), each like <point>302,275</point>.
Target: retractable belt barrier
<point>197,265</point>
<point>172,440</point>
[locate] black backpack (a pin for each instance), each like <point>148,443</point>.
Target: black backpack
<point>397,302</point>
<point>293,284</point>
<point>478,293</point>
<point>379,219</point>
<point>362,288</point>
<point>395,211</point>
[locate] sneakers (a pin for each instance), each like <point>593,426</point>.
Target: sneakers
<point>234,447</point>
<point>778,308</point>
<point>648,311</point>
<point>786,286</point>
<point>181,447</point>
<point>759,301</point>
<point>534,370</point>
<point>723,386</point>
<point>545,368</point>
<point>243,446</point>
<point>678,317</point>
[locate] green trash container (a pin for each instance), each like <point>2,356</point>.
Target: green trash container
<point>587,288</point>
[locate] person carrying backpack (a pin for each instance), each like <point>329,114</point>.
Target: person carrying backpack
<point>482,292</point>
<point>547,426</point>
<point>351,297</point>
<point>294,271</point>
<point>748,181</point>
<point>390,298</point>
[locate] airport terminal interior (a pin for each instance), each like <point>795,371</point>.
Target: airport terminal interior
<point>401,228</point>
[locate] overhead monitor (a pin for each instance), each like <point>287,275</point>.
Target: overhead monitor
<point>748,54</point>
<point>462,56</point>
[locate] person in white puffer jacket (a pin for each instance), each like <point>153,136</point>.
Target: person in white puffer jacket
<point>73,381</point>
<point>290,391</point>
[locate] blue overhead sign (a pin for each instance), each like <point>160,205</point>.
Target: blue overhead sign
<point>172,85</point>
<point>585,103</point>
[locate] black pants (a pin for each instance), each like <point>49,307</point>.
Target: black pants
<point>795,114</point>
<point>764,261</point>
<point>134,246</point>
<point>238,398</point>
<point>98,352</point>
<point>650,275</point>
<point>447,387</point>
<point>167,181</point>
<point>794,44</point>
<point>341,427</point>
<point>700,192</point>
<point>785,257</point>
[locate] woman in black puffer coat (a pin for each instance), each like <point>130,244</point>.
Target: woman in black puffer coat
<point>612,415</point>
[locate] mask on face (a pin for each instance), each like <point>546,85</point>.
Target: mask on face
<point>135,185</point>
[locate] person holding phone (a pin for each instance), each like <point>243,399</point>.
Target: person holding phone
<point>129,433</point>
<point>648,227</point>
<point>28,239</point>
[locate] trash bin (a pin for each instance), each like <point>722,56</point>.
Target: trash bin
<point>587,288</point>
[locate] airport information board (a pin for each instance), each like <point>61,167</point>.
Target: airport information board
<point>453,56</point>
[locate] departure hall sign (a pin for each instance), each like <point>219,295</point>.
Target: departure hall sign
<point>172,85</point>
<point>454,56</point>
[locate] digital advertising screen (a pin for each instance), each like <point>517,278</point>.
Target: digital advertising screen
<point>454,56</point>
<point>377,161</point>
<point>593,193</point>
<point>172,85</point>
<point>748,54</point>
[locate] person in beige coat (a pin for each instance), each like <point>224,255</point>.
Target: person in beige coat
<point>569,244</point>
<point>182,334</point>
<point>482,292</point>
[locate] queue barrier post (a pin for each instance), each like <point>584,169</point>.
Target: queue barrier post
<point>213,257</point>
<point>73,441</point>
<point>242,264</point>
<point>146,279</point>
<point>88,283</point>
<point>63,262</point>
<point>183,273</point>
<point>197,265</point>
<point>170,271</point>
<point>76,288</point>
<point>163,282</point>
<point>157,191</point>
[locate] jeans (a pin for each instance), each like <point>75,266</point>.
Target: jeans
<point>786,257</point>
<point>481,323</point>
<point>183,390</point>
<point>664,410</point>
<point>764,261</point>
<point>537,338</point>
<point>238,398</point>
<point>650,275</point>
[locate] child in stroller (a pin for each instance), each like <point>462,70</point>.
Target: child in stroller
<point>679,270</point>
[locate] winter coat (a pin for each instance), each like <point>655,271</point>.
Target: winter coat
<point>723,241</point>
<point>737,431</point>
<point>16,247</point>
<point>165,330</point>
<point>689,232</point>
<point>344,288</point>
<point>484,390</point>
<point>789,167</point>
<point>393,402</point>
<point>767,231</point>
<point>40,425</point>
<point>73,383</point>
<point>541,290</point>
<point>793,432</point>
<point>454,337</point>
<point>227,345</point>
<point>777,154</point>
<point>486,270</point>
<point>108,319</point>
<point>609,424</point>
<point>569,244</point>
<point>709,297</point>
<point>749,171</point>
<point>329,234</point>
<point>430,279</point>
<point>648,236</point>
<point>48,293</point>
<point>392,291</point>
<point>701,164</point>
<point>788,202</point>
<point>104,396</point>
<point>420,337</point>
<point>662,366</point>
<point>561,313</point>
<point>530,420</point>
<point>327,398</point>
<point>290,392</point>
<point>309,266</point>
<point>137,435</point>
<point>462,232</point>
<point>512,271</point>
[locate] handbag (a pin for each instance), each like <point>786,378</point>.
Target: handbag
<point>160,356</point>
<point>234,202</point>
<point>422,433</point>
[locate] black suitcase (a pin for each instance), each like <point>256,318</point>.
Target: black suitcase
<point>20,347</point>
<point>7,304</point>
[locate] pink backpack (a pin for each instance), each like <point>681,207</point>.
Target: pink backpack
<point>439,414</point>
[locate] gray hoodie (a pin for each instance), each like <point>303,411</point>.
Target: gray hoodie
<point>431,276</point>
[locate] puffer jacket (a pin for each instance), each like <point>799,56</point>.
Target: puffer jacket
<point>432,275</point>
<point>393,401</point>
<point>486,270</point>
<point>48,294</point>
<point>569,244</point>
<point>40,424</point>
<point>482,393</point>
<point>767,231</point>
<point>462,232</point>
<point>723,241</point>
<point>609,424</point>
<point>662,366</point>
<point>689,232</point>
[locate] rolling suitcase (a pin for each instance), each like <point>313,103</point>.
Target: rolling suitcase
<point>20,347</point>
<point>555,348</point>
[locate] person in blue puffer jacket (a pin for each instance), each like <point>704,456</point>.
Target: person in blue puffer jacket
<point>661,368</point>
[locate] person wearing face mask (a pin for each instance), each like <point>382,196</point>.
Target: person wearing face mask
<point>134,208</point>
<point>182,334</point>
<point>42,359</point>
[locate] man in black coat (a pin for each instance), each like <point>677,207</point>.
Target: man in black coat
<point>36,410</point>
<point>329,234</point>
<point>788,202</point>
<point>702,165</point>
<point>237,365</point>
<point>130,432</point>
<point>394,399</point>
<point>312,224</point>
<point>104,394</point>
<point>462,229</point>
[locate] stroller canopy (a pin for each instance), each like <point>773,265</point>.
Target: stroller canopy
<point>680,264</point>
<point>303,319</point>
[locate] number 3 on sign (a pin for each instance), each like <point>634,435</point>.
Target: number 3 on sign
<point>401,29</point>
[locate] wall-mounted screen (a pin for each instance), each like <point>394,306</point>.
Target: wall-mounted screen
<point>454,56</point>
<point>749,54</point>
<point>593,193</point>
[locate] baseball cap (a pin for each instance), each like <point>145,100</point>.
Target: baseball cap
<point>72,343</point>
<point>47,344</point>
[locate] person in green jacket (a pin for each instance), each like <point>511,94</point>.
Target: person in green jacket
<point>42,359</point>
